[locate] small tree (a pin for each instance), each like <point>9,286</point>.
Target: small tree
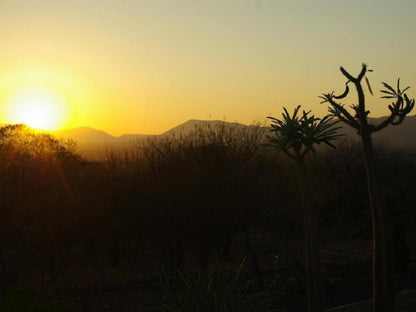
<point>296,136</point>
<point>383,274</point>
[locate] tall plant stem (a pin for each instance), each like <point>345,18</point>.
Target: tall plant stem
<point>313,275</point>
<point>382,266</point>
<point>382,261</point>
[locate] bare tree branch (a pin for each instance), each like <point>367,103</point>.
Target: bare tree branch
<point>390,119</point>
<point>352,78</point>
<point>343,114</point>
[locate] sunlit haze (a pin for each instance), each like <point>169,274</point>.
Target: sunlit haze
<point>37,108</point>
<point>146,66</point>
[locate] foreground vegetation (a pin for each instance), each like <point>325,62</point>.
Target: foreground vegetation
<point>382,245</point>
<point>197,203</point>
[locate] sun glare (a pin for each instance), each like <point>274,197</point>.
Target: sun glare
<point>40,99</point>
<point>37,108</point>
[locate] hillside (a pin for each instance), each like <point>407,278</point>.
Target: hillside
<point>84,135</point>
<point>193,124</point>
<point>402,136</point>
<point>92,142</point>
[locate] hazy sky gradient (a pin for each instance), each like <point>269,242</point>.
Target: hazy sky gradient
<point>145,66</point>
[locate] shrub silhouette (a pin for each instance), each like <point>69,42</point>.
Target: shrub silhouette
<point>205,186</point>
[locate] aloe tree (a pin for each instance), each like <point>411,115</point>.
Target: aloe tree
<point>382,269</point>
<point>296,137</point>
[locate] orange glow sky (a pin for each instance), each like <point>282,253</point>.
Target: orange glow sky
<point>145,66</point>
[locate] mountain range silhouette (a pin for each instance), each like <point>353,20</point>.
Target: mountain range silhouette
<point>92,142</point>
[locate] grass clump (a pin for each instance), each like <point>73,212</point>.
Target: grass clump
<point>214,291</point>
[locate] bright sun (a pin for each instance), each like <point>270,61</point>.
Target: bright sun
<point>37,107</point>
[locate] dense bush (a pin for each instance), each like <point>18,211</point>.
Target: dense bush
<point>185,202</point>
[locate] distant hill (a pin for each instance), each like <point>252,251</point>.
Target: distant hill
<point>403,135</point>
<point>193,124</point>
<point>131,137</point>
<point>84,135</point>
<point>93,143</point>
<point>90,135</point>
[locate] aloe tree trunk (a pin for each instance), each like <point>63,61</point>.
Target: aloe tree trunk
<point>382,267</point>
<point>295,137</point>
<point>383,273</point>
<point>312,268</point>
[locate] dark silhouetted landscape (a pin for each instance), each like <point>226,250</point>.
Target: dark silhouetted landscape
<point>207,156</point>
<point>92,143</point>
<point>206,204</point>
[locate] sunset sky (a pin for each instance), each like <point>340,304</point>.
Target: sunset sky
<point>145,66</point>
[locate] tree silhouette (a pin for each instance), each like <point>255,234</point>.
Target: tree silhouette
<point>36,182</point>
<point>383,278</point>
<point>296,136</point>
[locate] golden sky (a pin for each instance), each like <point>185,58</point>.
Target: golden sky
<point>145,66</point>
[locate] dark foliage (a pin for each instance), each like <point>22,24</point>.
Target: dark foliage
<point>203,200</point>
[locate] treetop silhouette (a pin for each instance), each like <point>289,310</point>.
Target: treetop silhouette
<point>296,136</point>
<point>398,109</point>
<point>382,264</point>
